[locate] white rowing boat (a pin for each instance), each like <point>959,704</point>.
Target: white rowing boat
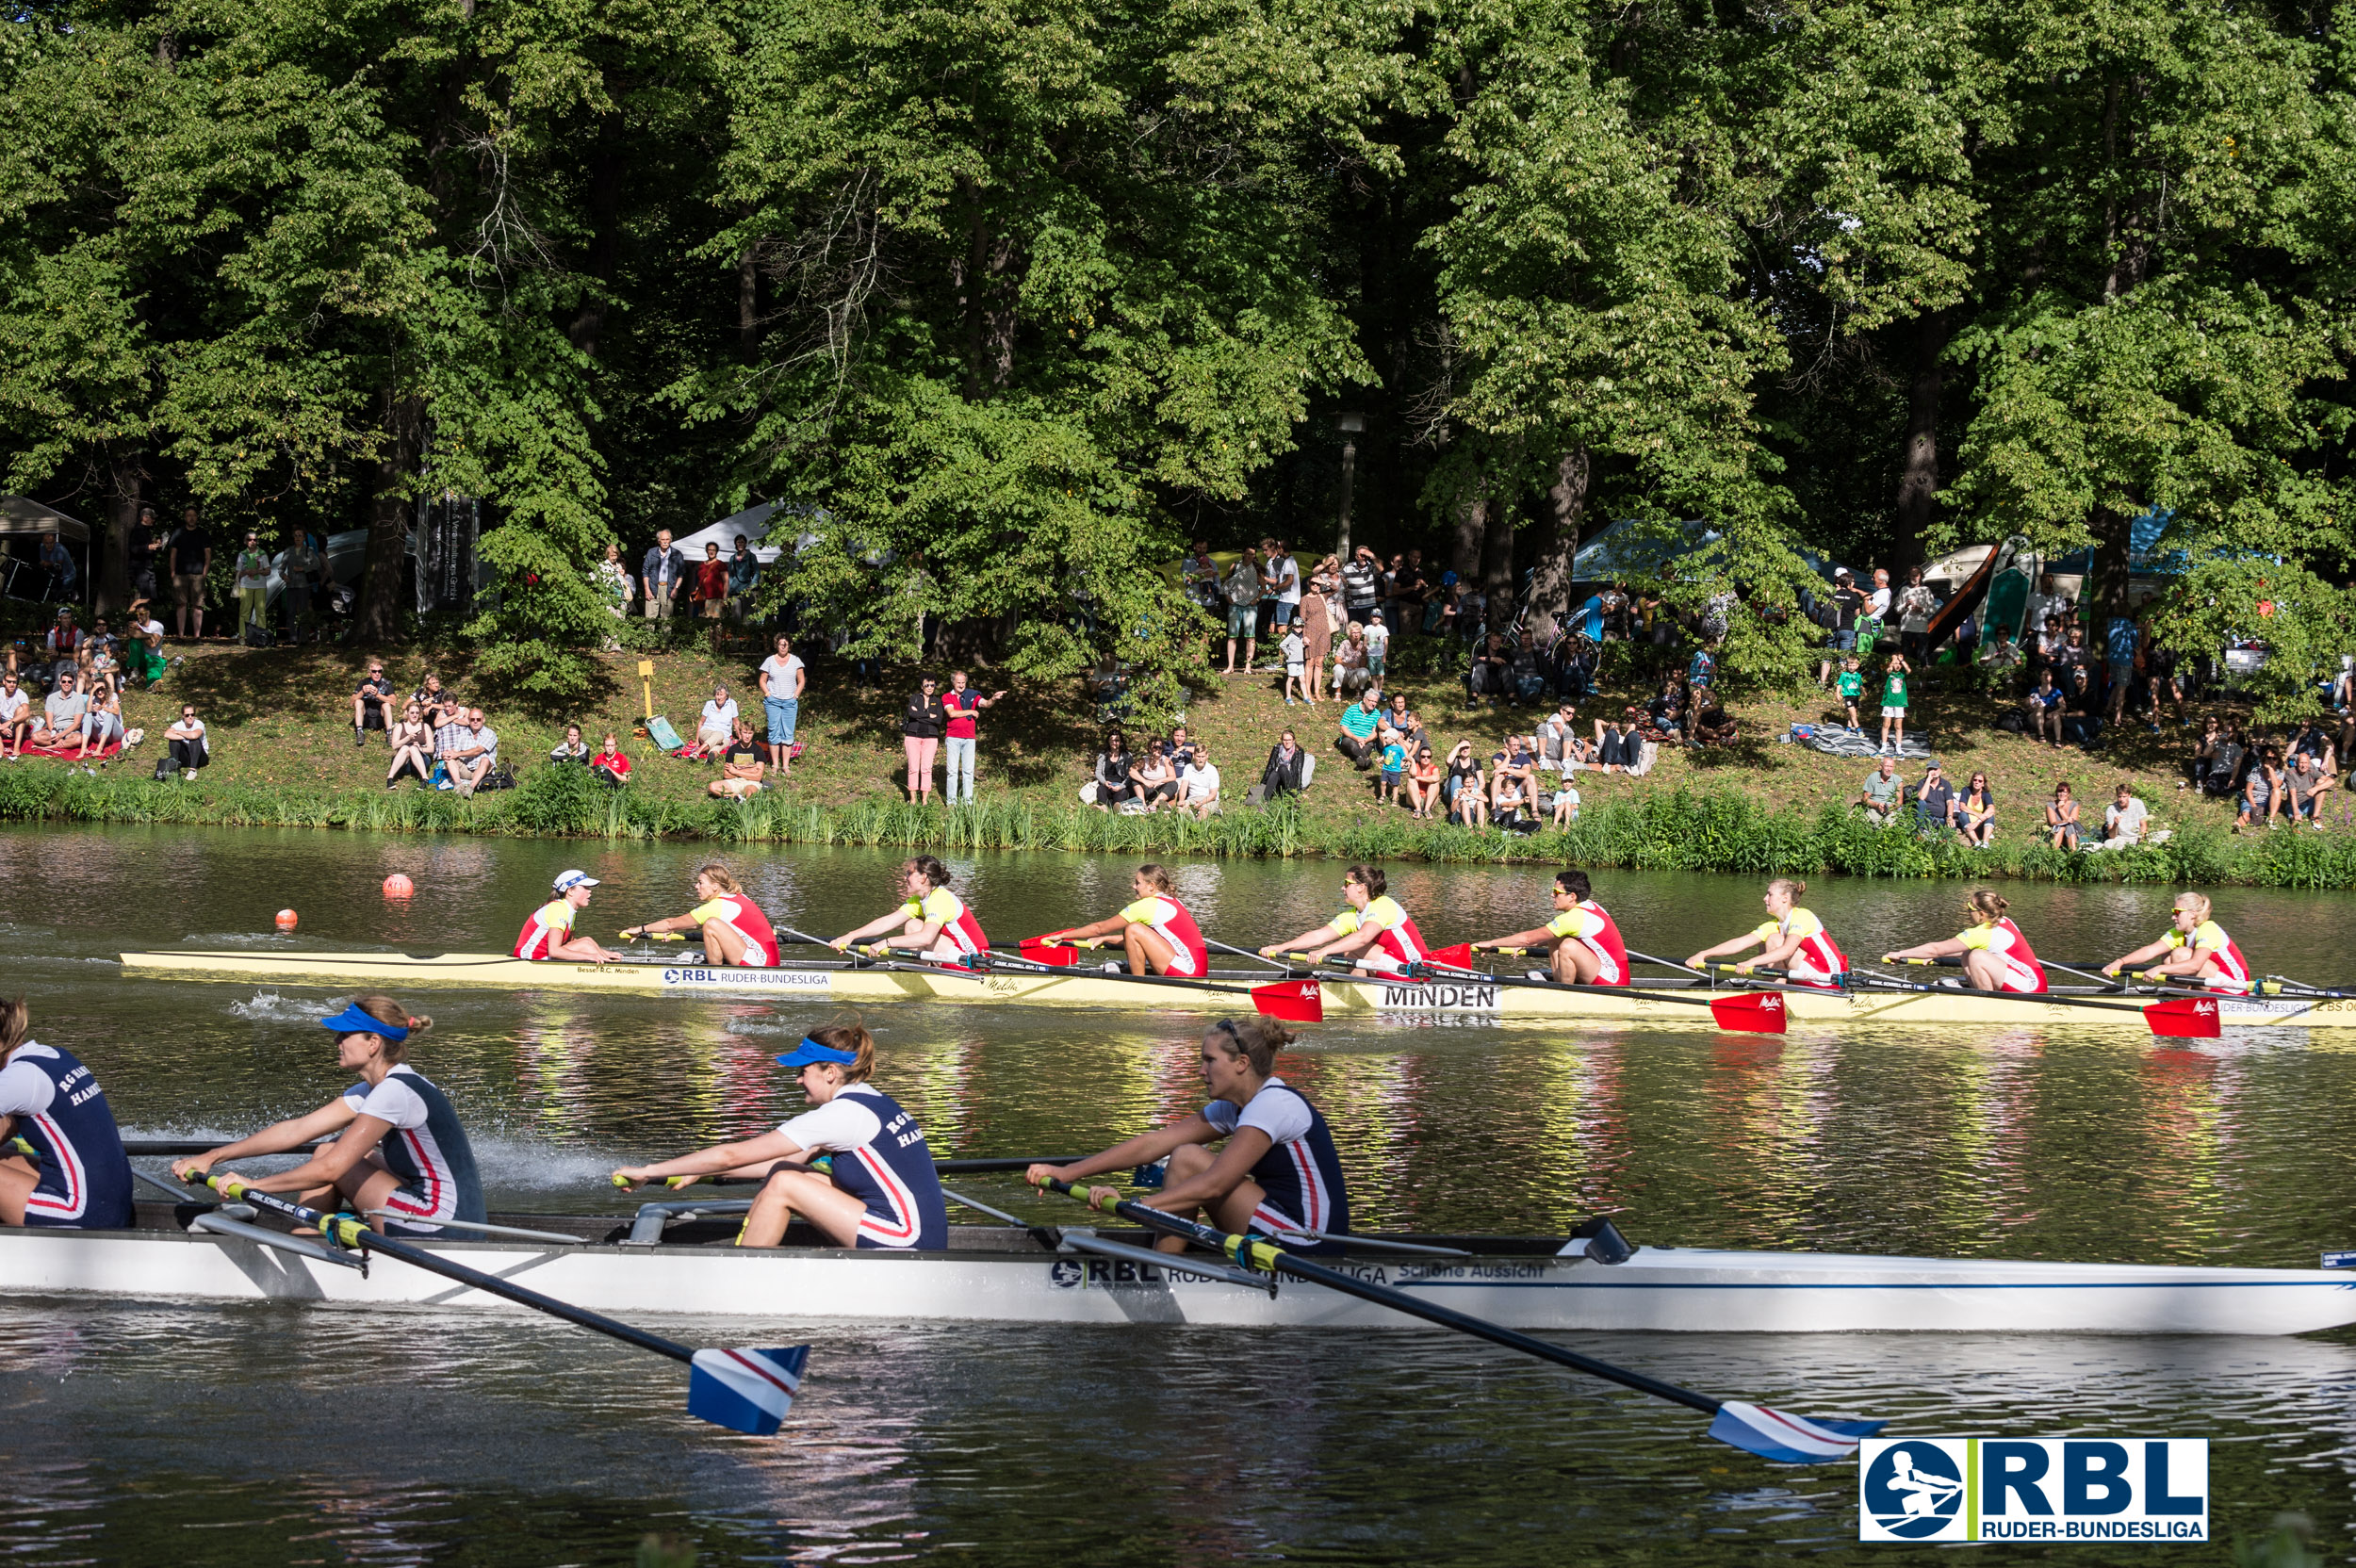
<point>1009,1275</point>
<point>1222,991</point>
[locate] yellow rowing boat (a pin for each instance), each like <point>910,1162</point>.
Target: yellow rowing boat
<point>840,980</point>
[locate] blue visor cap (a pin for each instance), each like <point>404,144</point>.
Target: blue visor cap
<point>351,1021</point>
<point>810,1052</point>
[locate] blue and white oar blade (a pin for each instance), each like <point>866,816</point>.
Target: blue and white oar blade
<point>1789,1439</point>
<point>745,1391</point>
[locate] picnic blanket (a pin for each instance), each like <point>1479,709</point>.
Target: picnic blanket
<point>70,751</point>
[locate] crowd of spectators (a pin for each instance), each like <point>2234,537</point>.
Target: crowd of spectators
<point>1934,805</point>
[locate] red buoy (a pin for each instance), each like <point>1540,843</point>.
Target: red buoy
<point>398,886</point>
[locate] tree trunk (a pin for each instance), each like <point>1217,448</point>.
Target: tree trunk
<point>389,524</point>
<point>2112,535</point>
<point>1567,510</point>
<point>748,298</point>
<point>608,167</point>
<point>1917,481</point>
<point>1472,524</point>
<point>110,563</point>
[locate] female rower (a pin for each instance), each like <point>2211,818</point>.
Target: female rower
<point>549,934</point>
<point>1795,941</point>
<point>1161,936</point>
<point>934,922</point>
<point>78,1177</point>
<point>403,1158</point>
<point>2197,948</point>
<point>1587,949</point>
<point>1373,929</point>
<point>1278,1175</point>
<point>882,1190</point>
<point>1996,957</point>
<point>735,930</point>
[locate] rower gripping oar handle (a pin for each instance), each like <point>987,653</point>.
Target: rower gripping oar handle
<point>1244,1251</point>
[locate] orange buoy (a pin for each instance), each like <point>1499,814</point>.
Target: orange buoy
<point>398,886</point>
<point>285,919</point>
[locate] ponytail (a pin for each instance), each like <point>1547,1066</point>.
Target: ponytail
<point>1795,886</point>
<point>851,1036</point>
<point>16,1022</point>
<point>930,870</point>
<point>1990,904</point>
<point>720,878</point>
<point>1255,1039</point>
<point>1369,877</point>
<point>1158,879</point>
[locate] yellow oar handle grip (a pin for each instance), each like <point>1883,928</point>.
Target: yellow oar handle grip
<point>675,1182</point>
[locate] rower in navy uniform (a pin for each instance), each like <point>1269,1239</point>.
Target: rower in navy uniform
<point>881,1191</point>
<point>401,1160</point>
<point>78,1177</point>
<point>1277,1176</point>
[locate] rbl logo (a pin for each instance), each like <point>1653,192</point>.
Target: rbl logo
<point>2033,1489</point>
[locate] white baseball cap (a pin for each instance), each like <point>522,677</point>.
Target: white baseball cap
<point>567,881</point>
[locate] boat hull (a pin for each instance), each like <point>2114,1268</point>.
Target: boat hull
<point>1451,1000</point>
<point>1002,1277</point>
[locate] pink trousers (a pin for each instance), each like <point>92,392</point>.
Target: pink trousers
<point>920,753</point>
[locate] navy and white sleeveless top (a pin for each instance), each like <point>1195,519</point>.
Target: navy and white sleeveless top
<point>1301,1175</point>
<point>85,1177</point>
<point>425,1148</point>
<point>880,1159</point>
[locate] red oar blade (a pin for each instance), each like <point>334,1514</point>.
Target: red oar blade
<point>1750,1012</point>
<point>1293,1001</point>
<point>1059,955</point>
<point>1459,956</point>
<point>2184,1018</point>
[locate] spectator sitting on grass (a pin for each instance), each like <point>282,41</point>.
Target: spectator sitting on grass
<point>1881,793</point>
<point>2000,657</point>
<point>2061,818</point>
<point>1114,766</point>
<point>1198,784</point>
<point>1466,788</point>
<point>373,704</point>
<point>1359,722</point>
<point>571,749</point>
<point>1618,747</point>
<point>1713,725</point>
<point>2044,704</point>
<point>2308,783</point>
<point>1975,812</point>
<point>1402,718</point>
<point>101,722</point>
<point>1155,777</point>
<point>2080,721</point>
<point>1282,775</point>
<point>16,716</point>
<point>1181,750</point>
<point>1565,802</point>
<point>185,740</point>
<point>2125,821</point>
<point>1350,675</point>
<point>434,703</point>
<point>1510,807</point>
<point>477,754</point>
<point>1934,801</point>
<point>2262,795</point>
<point>450,735</point>
<point>1517,764</point>
<point>1491,673</point>
<point>1557,735</point>
<point>62,714</point>
<point>609,764</point>
<point>741,766</point>
<point>411,741</point>
<point>1423,782</point>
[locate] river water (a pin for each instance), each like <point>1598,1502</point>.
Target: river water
<point>150,1432</point>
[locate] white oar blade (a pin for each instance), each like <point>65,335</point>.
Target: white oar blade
<point>745,1391</point>
<point>1789,1439</point>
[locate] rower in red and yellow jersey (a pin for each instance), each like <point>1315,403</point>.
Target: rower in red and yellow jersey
<point>2197,948</point>
<point>934,922</point>
<point>1996,957</point>
<point>549,934</point>
<point>1373,929</point>
<point>1160,936</point>
<point>735,930</point>
<point>1587,949</point>
<point>1795,940</point>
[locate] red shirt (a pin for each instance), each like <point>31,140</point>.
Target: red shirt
<point>960,706</point>
<point>711,580</point>
<point>614,760</point>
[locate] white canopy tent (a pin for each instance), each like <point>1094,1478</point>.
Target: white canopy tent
<point>753,523</point>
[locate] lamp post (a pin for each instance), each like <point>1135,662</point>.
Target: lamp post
<point>1351,426</point>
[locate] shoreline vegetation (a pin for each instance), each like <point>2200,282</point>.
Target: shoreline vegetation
<point>1721,830</point>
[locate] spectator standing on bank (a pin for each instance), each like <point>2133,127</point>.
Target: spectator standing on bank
<point>1894,704</point>
<point>1851,688</point>
<point>1361,585</point>
<point>192,553</point>
<point>143,542</point>
<point>712,582</point>
<point>743,577</point>
<point>1243,587</point>
<point>1377,646</point>
<point>921,724</point>
<point>58,563</point>
<point>613,583</point>
<point>660,576</point>
<point>1280,586</point>
<point>303,573</point>
<point>1404,608</point>
<point>1295,653</point>
<point>252,585</point>
<point>1916,605</point>
<point>1198,576</point>
<point>1319,610</point>
<point>1846,605</point>
<point>961,705</point>
<point>782,676</point>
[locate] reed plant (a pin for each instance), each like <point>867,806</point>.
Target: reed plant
<point>1684,831</point>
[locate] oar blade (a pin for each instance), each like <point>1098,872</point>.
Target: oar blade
<point>2184,1018</point>
<point>1059,955</point>
<point>1789,1439</point>
<point>1292,1001</point>
<point>745,1390</point>
<point>1749,1012</point>
<point>1459,956</point>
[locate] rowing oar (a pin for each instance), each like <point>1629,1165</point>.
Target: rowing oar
<point>2180,1018</point>
<point>1737,1012</point>
<point>1769,1434</point>
<point>947,1167</point>
<point>1664,963</point>
<point>744,1390</point>
<point>1245,953</point>
<point>1292,1001</point>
